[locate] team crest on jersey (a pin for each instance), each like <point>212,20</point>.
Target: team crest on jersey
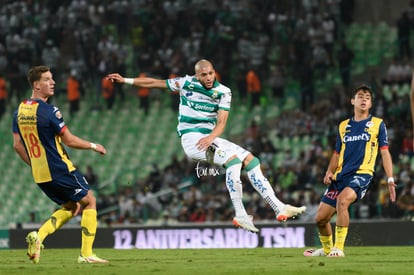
<point>215,94</point>
<point>58,114</point>
<point>369,124</point>
<point>221,153</point>
<point>177,84</point>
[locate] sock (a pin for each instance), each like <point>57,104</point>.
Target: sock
<point>326,242</point>
<point>234,186</point>
<point>340,235</point>
<point>262,185</point>
<point>58,218</point>
<point>88,224</point>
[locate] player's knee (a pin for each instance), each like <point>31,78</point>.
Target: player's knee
<point>89,201</point>
<point>321,221</point>
<point>70,205</point>
<point>342,205</point>
<point>249,165</point>
<point>232,161</point>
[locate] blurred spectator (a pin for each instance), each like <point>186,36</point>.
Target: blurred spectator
<point>198,214</point>
<point>92,177</point>
<point>407,143</point>
<point>307,89</point>
<point>320,60</point>
<point>404,36</point>
<point>398,72</point>
<point>240,75</point>
<point>108,92</point>
<point>345,57</point>
<point>329,30</point>
<point>126,206</point>
<point>74,90</point>
<point>51,55</point>
<point>277,81</point>
<point>149,206</point>
<point>143,96</point>
<point>3,95</point>
<point>254,87</point>
<point>405,202</point>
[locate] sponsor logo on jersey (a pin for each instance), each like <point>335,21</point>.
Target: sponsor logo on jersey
<point>201,107</point>
<point>363,137</point>
<point>23,117</point>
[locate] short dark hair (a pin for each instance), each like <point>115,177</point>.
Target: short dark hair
<point>35,73</point>
<point>363,87</point>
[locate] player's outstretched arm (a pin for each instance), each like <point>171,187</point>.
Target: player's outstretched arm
<point>78,143</point>
<point>143,82</point>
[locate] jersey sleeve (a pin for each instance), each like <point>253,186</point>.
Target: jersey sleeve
<point>176,84</point>
<point>225,100</point>
<point>338,142</point>
<point>383,136</point>
<point>56,120</point>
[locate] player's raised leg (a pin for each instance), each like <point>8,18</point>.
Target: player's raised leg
<point>260,183</point>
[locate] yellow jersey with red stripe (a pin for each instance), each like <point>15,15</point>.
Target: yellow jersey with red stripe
<point>40,125</point>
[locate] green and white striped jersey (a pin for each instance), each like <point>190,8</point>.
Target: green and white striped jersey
<point>198,105</point>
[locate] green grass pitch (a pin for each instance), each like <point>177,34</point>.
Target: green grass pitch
<point>358,260</point>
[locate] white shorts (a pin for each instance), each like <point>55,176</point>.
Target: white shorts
<point>224,149</point>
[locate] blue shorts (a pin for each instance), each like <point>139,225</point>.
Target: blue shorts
<point>360,183</point>
<point>70,187</point>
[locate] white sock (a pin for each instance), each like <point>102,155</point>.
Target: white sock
<point>235,188</point>
<point>262,185</point>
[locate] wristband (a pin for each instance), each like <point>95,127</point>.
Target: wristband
<point>93,146</point>
<point>390,180</point>
<point>129,81</point>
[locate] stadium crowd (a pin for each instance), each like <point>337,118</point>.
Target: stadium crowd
<point>280,40</point>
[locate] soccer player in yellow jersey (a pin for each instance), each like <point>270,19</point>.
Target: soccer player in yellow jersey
<point>350,171</point>
<point>39,133</point>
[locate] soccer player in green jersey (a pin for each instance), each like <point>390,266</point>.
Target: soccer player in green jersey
<point>203,113</point>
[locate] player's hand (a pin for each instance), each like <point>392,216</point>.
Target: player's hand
<point>391,189</point>
<point>100,149</point>
<point>204,143</point>
<point>328,178</point>
<point>77,209</point>
<point>73,206</point>
<point>116,77</point>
